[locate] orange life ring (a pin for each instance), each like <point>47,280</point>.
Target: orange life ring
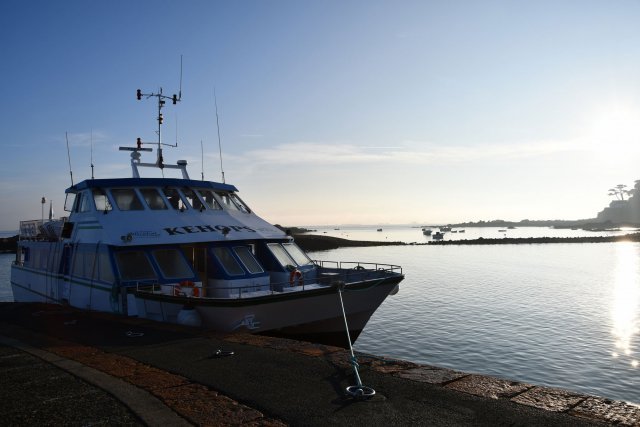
<point>177,290</point>
<point>296,274</point>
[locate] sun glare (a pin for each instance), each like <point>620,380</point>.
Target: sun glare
<point>626,300</point>
<point>615,130</point>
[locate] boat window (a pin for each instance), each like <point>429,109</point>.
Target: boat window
<point>297,254</point>
<point>242,206</point>
<point>172,263</point>
<point>35,259</point>
<point>82,264</point>
<point>192,198</point>
<point>228,262</point>
<point>85,206</point>
<point>207,196</point>
<point>69,202</point>
<point>134,265</point>
<point>101,201</point>
<point>153,199</point>
<point>76,202</point>
<point>247,258</point>
<point>173,195</point>
<point>232,202</point>
<point>281,255</point>
<point>126,199</point>
<point>104,267</point>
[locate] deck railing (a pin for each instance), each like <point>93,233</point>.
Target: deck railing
<point>328,273</point>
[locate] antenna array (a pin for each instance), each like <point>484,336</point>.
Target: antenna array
<point>161,102</point>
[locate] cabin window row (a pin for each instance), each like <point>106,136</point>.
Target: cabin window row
<point>86,261</point>
<point>178,198</point>
<point>235,261</point>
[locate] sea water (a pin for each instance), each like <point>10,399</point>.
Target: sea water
<point>562,315</point>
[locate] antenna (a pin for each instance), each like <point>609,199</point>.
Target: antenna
<point>176,144</point>
<point>91,153</point>
<point>66,135</point>
<point>180,88</point>
<point>215,100</point>
<point>161,101</point>
<point>201,161</point>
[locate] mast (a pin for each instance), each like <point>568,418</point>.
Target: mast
<point>161,102</point>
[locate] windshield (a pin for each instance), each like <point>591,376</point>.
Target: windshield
<point>281,255</point>
<point>153,199</point>
<point>297,254</point>
<point>126,199</point>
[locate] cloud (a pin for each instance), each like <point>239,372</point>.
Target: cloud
<point>84,139</point>
<point>408,152</point>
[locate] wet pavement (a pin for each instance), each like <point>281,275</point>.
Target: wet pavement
<point>64,366</point>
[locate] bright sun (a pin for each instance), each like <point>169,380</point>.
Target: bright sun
<point>615,129</point>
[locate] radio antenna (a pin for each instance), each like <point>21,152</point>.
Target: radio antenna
<point>92,154</point>
<point>66,135</point>
<point>201,161</point>
<point>215,100</point>
<point>176,130</point>
<point>180,87</point>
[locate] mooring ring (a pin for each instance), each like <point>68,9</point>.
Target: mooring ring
<point>360,391</point>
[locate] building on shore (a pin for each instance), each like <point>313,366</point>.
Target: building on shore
<point>623,211</point>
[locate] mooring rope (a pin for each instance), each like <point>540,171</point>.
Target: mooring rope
<point>358,391</point>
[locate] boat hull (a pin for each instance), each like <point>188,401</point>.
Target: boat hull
<point>311,315</point>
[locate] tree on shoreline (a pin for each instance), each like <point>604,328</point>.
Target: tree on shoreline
<point>619,191</point>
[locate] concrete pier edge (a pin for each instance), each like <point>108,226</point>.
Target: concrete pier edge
<point>158,396</point>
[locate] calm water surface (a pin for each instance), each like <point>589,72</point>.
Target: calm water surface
<point>563,315</point>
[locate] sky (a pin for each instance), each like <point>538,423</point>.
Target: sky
<point>330,112</point>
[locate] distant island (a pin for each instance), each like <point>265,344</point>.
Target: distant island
<point>591,224</point>
<point>310,242</point>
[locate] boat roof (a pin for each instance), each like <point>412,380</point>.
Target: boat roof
<point>148,182</point>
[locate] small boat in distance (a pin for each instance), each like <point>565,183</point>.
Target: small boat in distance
<point>437,235</point>
<point>447,228</point>
<point>426,231</point>
<point>192,252</point>
<point>379,229</point>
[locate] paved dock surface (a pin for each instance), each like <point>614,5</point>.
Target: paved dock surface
<point>63,366</point>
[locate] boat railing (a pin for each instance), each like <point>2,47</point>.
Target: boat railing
<point>329,273</point>
<point>368,267</point>
<point>41,229</point>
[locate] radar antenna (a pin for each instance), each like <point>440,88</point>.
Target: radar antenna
<point>161,102</point>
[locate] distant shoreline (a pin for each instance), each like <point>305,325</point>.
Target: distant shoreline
<point>312,242</point>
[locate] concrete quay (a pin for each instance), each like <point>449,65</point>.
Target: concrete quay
<point>64,366</point>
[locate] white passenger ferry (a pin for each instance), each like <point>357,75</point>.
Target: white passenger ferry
<point>190,251</point>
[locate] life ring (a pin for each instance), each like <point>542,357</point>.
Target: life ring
<point>177,290</point>
<point>296,274</point>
